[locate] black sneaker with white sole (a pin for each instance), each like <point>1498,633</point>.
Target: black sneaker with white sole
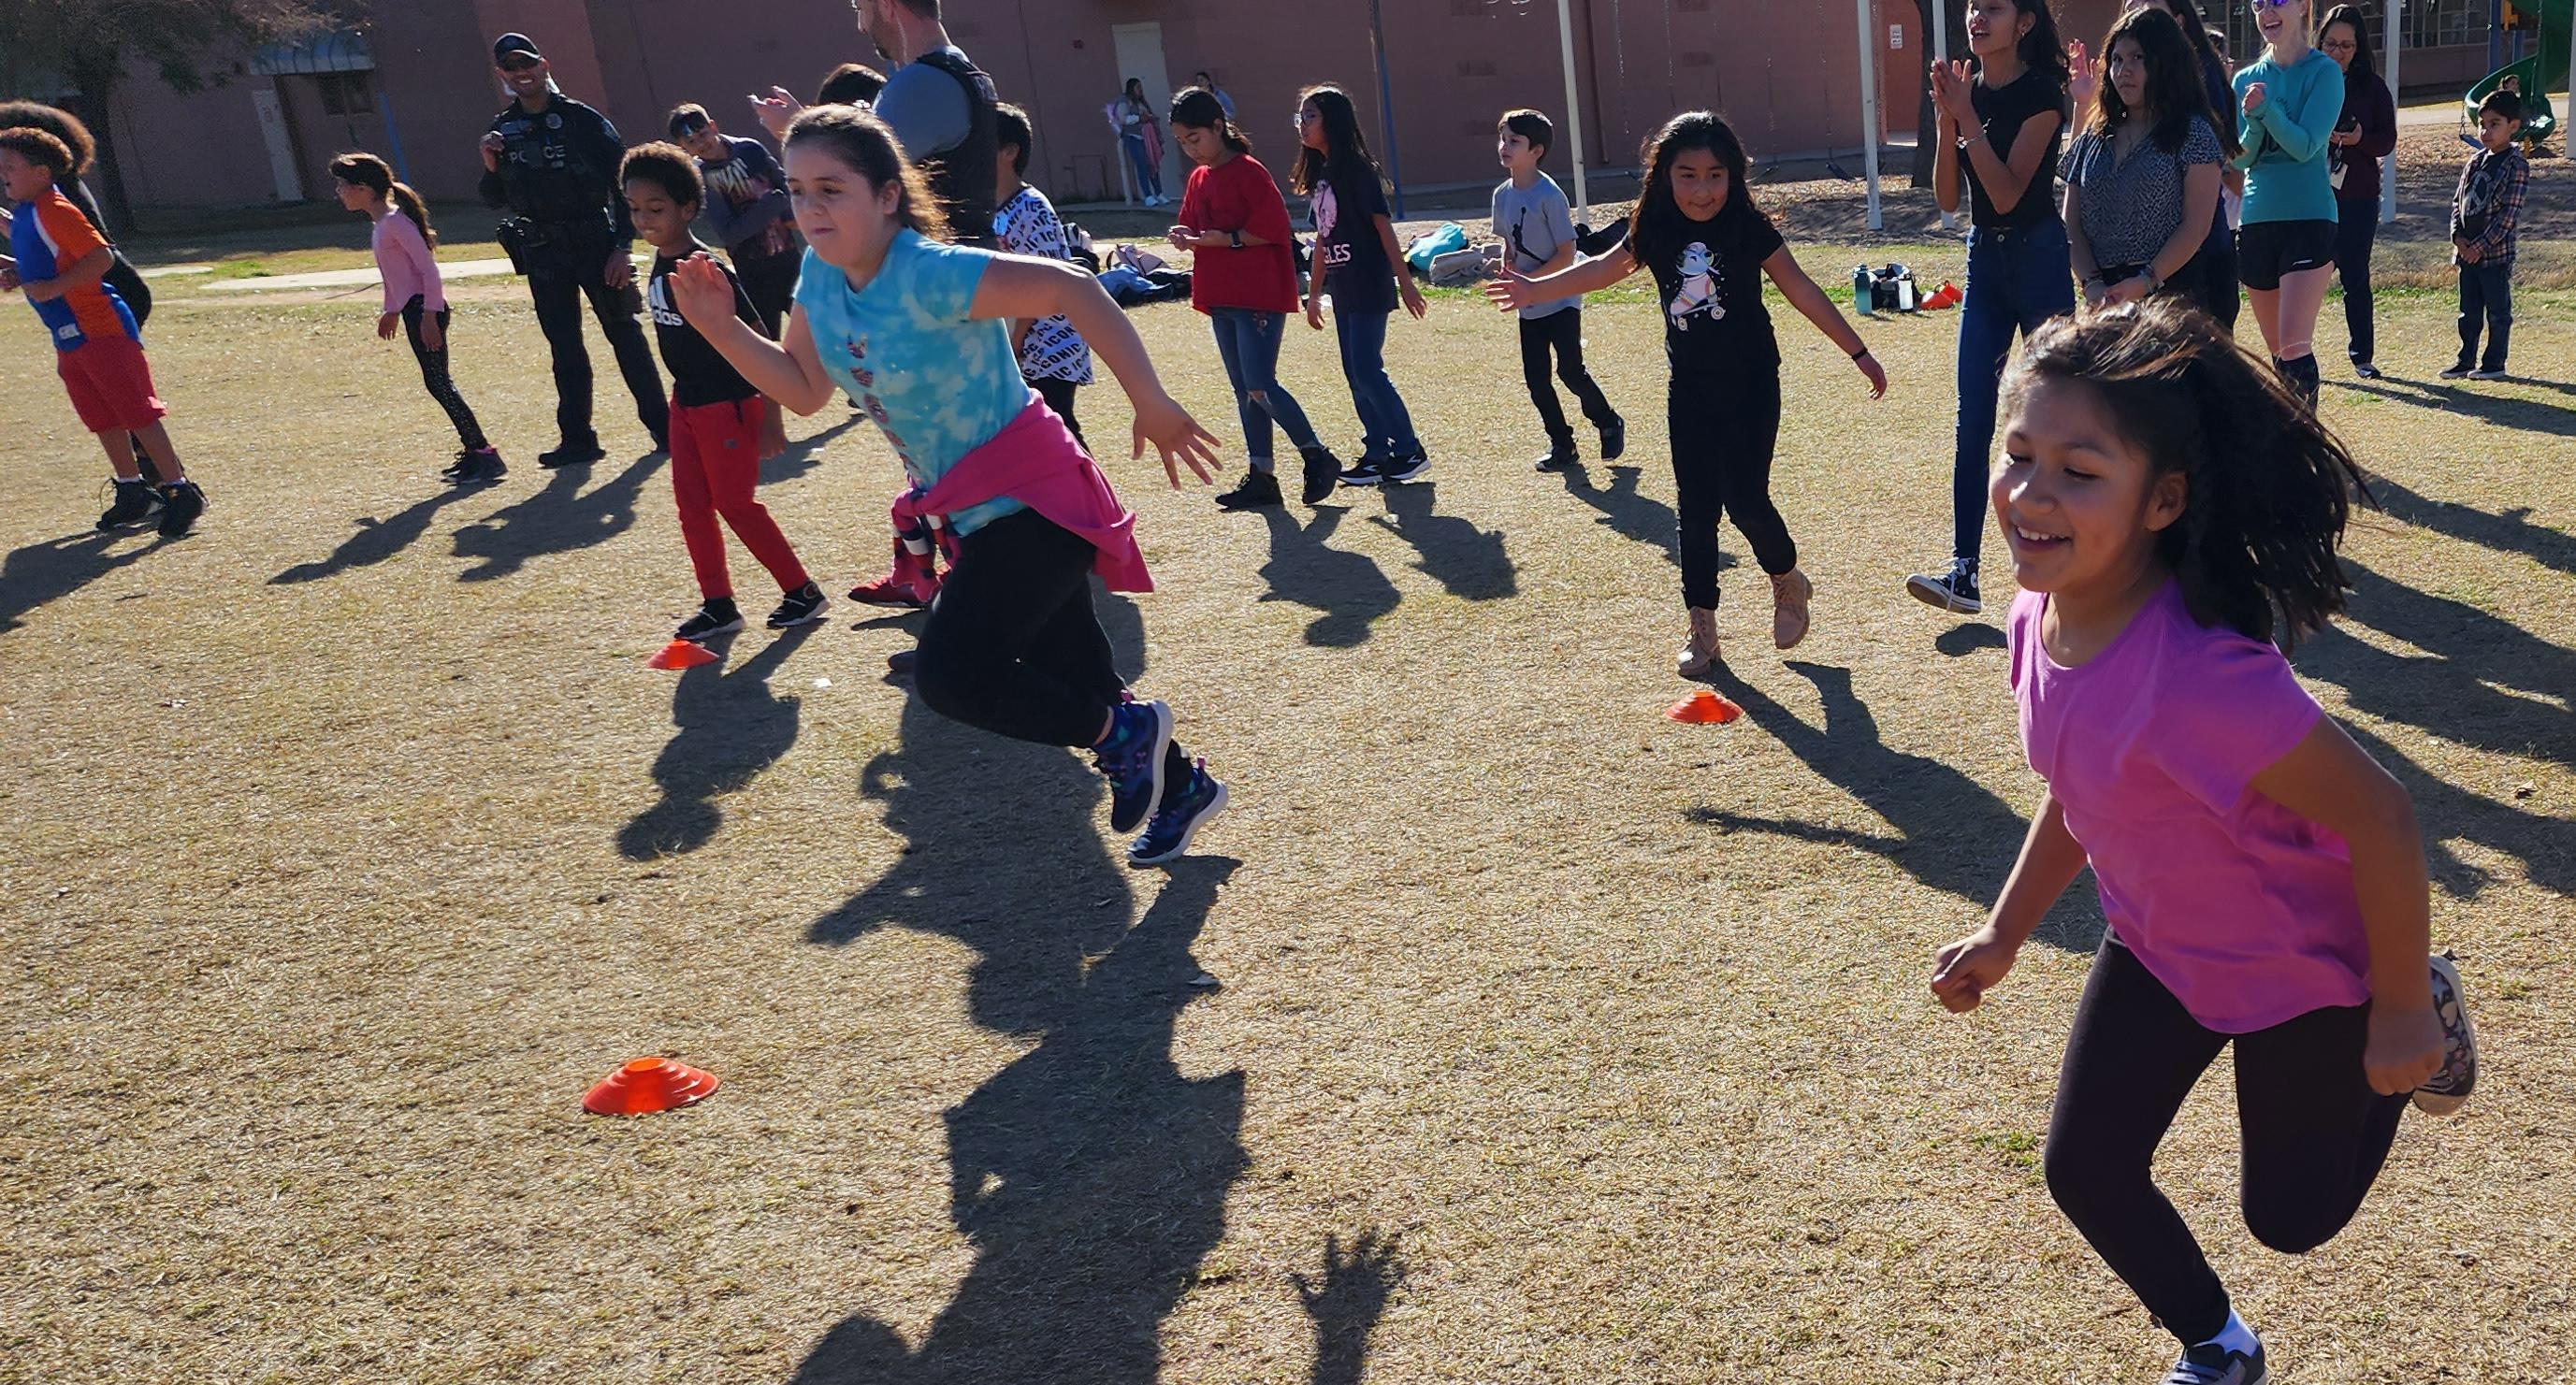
<point>1187,807</point>
<point>181,504</point>
<point>134,503</point>
<point>2212,1363</point>
<point>712,619</point>
<point>1363,472</point>
<point>802,606</point>
<point>483,467</point>
<point>1409,467</point>
<point>1259,489</point>
<point>1954,591</point>
<point>572,454</point>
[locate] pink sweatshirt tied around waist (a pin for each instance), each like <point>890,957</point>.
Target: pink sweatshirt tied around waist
<point>1036,461</point>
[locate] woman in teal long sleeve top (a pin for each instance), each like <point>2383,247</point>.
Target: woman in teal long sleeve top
<point>2291,98</point>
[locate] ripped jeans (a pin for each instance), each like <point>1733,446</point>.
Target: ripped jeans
<point>1249,342</point>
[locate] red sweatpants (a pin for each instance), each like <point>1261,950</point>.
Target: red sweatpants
<point>715,470</point>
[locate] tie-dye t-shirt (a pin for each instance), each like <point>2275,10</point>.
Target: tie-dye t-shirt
<point>938,382</point>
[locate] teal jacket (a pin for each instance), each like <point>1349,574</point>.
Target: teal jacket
<point>2285,141</point>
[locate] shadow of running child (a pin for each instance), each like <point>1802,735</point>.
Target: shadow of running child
<point>732,727</point>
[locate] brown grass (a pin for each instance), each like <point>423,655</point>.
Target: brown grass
<point>1554,1041</point>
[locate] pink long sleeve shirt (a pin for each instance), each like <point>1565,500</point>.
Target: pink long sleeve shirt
<point>402,257</point>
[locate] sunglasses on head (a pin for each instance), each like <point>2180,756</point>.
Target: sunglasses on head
<point>2262,5</point>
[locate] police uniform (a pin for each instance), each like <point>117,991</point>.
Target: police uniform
<point>558,178</point>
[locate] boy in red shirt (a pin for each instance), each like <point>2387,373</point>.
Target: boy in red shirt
<point>57,258</point>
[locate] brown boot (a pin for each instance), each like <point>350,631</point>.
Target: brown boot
<point>1696,656</point>
<point>1790,592</point>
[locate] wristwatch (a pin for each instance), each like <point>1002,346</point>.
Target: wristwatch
<point>2154,280</point>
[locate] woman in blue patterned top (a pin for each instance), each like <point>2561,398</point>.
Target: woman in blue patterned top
<point>919,333</point>
<point>2142,181</point>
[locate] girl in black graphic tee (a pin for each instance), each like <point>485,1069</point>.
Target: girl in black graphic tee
<point>1697,231</point>
<point>1357,263</point>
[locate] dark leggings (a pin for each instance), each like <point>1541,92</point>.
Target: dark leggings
<point>2358,226</point>
<point>1058,395</point>
<point>2313,1133</point>
<point>1724,432</point>
<point>1560,334</point>
<point>1012,646</point>
<point>434,376</point>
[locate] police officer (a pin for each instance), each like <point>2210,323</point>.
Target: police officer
<point>552,161</point>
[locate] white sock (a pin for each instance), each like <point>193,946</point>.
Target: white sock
<point>2236,1336</point>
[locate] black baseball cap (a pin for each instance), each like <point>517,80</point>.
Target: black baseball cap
<point>509,45</point>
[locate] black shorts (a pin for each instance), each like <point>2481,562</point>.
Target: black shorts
<point>2267,250</point>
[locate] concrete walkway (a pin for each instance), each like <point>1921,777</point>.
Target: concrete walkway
<point>353,278</point>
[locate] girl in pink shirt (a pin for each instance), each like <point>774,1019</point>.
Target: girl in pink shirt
<point>2167,506</point>
<point>415,299</point>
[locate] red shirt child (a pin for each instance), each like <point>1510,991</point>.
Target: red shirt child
<point>1238,195</point>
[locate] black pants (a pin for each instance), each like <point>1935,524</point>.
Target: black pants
<point>1560,333</point>
<point>558,281</point>
<point>2314,1133</point>
<point>2221,293</point>
<point>2486,299</point>
<point>1724,431</point>
<point>434,376</point>
<point>769,281</point>
<point>1058,395</point>
<point>2358,226</point>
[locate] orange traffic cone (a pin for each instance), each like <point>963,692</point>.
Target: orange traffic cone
<point>1704,708</point>
<point>648,1085</point>
<point>681,654</point>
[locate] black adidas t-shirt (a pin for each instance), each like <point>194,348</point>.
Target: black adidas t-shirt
<point>699,373</point>
<point>1708,276</point>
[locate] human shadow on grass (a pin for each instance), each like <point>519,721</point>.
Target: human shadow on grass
<point>1090,1175</point>
<point>1306,570</point>
<point>803,455</point>
<point>377,539</point>
<point>2529,416</point>
<point>1347,1301</point>
<point>2448,813</point>
<point>2506,531</point>
<point>1631,515</point>
<point>2460,692</point>
<point>1468,562</point>
<point>732,726</point>
<point>47,571</point>
<point>1967,637</point>
<point>558,519</point>
<point>1952,833</point>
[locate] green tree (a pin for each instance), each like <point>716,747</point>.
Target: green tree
<point>85,47</point>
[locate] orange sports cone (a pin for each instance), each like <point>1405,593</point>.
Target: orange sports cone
<point>1704,708</point>
<point>1946,296</point>
<point>681,654</point>
<point>648,1085</point>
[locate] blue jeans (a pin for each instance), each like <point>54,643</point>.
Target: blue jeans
<point>1249,342</point>
<point>1386,429</point>
<point>2016,281</point>
<point>1148,182</point>
<point>2486,299</point>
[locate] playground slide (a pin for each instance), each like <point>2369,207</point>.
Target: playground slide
<point>2536,73</point>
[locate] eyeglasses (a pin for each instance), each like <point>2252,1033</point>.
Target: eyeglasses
<point>2262,5</point>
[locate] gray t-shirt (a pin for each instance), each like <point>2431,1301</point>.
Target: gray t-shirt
<point>1532,223</point>
<point>926,108</point>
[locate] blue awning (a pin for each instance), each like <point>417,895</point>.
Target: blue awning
<point>328,53</point>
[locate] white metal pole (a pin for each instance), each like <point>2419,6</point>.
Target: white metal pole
<point>1941,55</point>
<point>1868,111</point>
<point>2388,165</point>
<point>1574,108</point>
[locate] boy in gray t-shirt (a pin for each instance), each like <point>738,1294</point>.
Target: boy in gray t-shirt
<point>1537,230</point>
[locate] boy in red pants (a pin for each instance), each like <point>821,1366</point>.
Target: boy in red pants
<point>717,418</point>
<point>57,258</point>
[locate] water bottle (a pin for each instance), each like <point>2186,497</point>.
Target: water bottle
<point>1860,291</point>
<point>1905,294</point>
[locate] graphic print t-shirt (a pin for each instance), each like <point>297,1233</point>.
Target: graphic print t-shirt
<point>1346,206</point>
<point>1533,223</point>
<point>1708,276</point>
<point>742,181</point>
<point>1028,225</point>
<point>699,373</point>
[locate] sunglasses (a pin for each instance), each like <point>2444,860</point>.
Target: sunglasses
<point>2262,5</point>
<point>521,65</point>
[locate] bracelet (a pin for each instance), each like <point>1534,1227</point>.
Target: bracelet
<point>1861,355</point>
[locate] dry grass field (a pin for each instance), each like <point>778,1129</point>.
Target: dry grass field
<point>1503,1031</point>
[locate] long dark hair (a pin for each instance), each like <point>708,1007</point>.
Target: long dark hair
<point>375,175</point>
<point>2268,489</point>
<point>55,121</point>
<point>1657,227</point>
<point>2361,62</point>
<point>1344,145</point>
<point>2041,50</point>
<point>855,136</point>
<point>1199,109</point>
<point>2175,92</point>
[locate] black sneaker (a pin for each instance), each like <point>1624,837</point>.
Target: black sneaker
<point>899,664</point>
<point>2458,371</point>
<point>482,467</point>
<point>1259,488</point>
<point>464,462</point>
<point>2365,370</point>
<point>1614,439</point>
<point>802,606</point>
<point>1188,807</point>
<point>135,501</point>
<point>1954,591</point>
<point>1560,455</point>
<point>710,621</point>
<point>1323,472</point>
<point>1363,472</point>
<point>1140,733</point>
<point>572,454</point>
<point>181,503</point>
<point>1396,471</point>
<point>2213,1364</point>
<point>2447,1089</point>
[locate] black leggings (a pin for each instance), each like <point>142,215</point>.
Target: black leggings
<point>434,376</point>
<point>1058,395</point>
<point>2313,1133</point>
<point>2357,227</point>
<point>1724,432</point>
<point>769,281</point>
<point>1012,646</point>
<point>1560,333</point>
